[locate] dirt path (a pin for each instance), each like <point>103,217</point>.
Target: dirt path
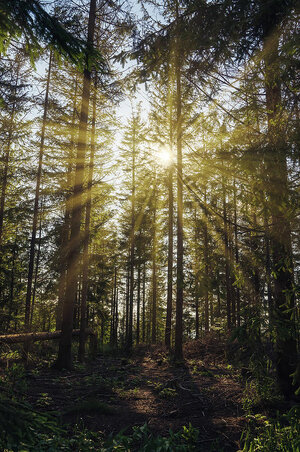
<point>115,393</point>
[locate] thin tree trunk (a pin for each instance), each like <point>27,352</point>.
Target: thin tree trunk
<point>227,268</point>
<point>138,307</point>
<point>36,271</point>
<point>6,162</point>
<point>86,242</point>
<point>12,282</point>
<point>236,247</point>
<point>144,302</point>
<point>67,217</point>
<point>231,267</point>
<point>268,275</point>
<point>64,359</point>
<point>127,304</point>
<point>132,246</point>
<point>179,289</point>
<point>170,232</point>
<point>154,270</point>
<point>36,202</point>
<point>197,309</point>
<point>116,314</point>
<point>112,312</point>
<point>206,303</point>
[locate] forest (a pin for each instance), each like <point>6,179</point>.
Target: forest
<point>149,225</point>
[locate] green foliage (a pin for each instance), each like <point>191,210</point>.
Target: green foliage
<point>143,440</point>
<point>168,393</point>
<point>279,435</point>
<point>14,380</point>
<point>21,427</point>
<point>44,400</point>
<point>30,20</point>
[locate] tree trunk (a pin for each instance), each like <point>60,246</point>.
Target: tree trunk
<point>86,241</point>
<point>144,303</point>
<point>64,359</point>
<point>127,304</point>
<point>227,268</point>
<point>170,235</point>
<point>236,248</point>
<point>6,163</point>
<point>36,271</point>
<point>138,307</point>
<point>132,246</point>
<point>206,304</point>
<point>154,270</point>
<point>36,202</point>
<point>179,289</point>
<point>197,309</point>
<point>66,226</point>
<point>280,233</point>
<point>12,282</point>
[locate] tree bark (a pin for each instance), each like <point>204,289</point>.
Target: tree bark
<point>6,161</point>
<point>66,225</point>
<point>280,232</point>
<point>179,289</point>
<point>132,246</point>
<point>36,202</point>
<point>64,359</point>
<point>236,253</point>
<point>154,270</point>
<point>36,271</point>
<point>144,303</point>
<point>86,241</point>
<point>138,306</point>
<point>206,264</point>
<point>227,268</point>
<point>170,233</point>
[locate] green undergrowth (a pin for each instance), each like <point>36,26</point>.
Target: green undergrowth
<point>281,434</point>
<point>26,430</point>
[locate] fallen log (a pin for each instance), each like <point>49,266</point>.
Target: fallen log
<point>42,336</point>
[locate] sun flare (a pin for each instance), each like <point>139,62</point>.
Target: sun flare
<point>165,156</point>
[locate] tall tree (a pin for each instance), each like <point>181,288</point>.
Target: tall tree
<point>64,359</point>
<point>36,201</point>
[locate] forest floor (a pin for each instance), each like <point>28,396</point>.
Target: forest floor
<point>114,393</point>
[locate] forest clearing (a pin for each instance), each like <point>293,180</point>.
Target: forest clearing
<point>149,225</point>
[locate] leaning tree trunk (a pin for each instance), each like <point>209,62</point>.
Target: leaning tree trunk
<point>64,359</point>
